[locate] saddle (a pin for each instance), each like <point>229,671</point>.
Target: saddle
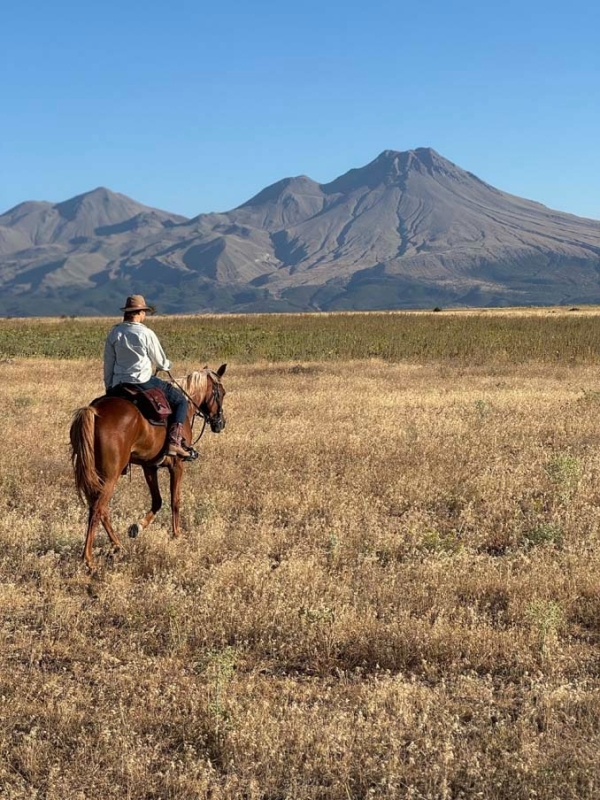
<point>151,403</point>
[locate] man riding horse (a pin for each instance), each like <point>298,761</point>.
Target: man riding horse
<point>132,353</point>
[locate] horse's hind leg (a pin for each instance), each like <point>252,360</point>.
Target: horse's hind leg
<point>99,513</point>
<point>110,530</point>
<point>151,475</point>
<point>93,520</point>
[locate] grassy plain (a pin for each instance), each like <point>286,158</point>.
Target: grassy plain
<point>387,584</point>
<point>513,335</point>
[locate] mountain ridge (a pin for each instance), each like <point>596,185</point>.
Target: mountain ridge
<point>408,229</point>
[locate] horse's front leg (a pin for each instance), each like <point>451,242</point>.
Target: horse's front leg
<point>176,473</point>
<point>151,475</point>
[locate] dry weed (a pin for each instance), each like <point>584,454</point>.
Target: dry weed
<point>386,587</point>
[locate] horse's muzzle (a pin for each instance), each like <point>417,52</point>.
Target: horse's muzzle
<point>217,423</point>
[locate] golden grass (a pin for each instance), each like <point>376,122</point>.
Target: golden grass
<point>387,587</point>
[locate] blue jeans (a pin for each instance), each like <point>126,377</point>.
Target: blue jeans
<point>176,400</point>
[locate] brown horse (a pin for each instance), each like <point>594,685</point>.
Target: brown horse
<point>111,433</point>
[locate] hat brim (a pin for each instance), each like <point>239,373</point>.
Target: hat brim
<point>135,309</point>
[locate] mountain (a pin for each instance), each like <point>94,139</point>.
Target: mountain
<point>53,257</point>
<point>410,229</point>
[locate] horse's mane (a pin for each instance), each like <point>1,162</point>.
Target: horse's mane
<point>196,383</point>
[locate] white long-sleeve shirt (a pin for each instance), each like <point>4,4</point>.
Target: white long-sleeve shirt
<point>131,353</point>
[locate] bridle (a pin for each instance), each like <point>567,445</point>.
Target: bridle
<point>216,422</point>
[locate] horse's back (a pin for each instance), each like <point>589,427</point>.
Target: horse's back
<point>114,409</point>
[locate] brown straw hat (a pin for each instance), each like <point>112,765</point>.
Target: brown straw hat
<point>136,302</point>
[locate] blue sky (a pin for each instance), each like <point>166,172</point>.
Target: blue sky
<point>195,107</point>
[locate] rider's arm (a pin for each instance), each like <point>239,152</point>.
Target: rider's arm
<point>156,353</point>
<point>109,363</point>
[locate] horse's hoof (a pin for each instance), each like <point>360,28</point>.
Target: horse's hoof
<point>92,592</point>
<point>114,553</point>
<point>134,530</point>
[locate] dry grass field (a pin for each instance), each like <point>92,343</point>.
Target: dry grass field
<point>387,587</point>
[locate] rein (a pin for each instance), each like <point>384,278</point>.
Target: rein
<point>197,439</point>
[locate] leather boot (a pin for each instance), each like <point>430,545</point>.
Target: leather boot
<point>174,441</point>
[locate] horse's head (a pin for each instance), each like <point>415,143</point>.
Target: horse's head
<point>212,405</point>
<point>208,393</point>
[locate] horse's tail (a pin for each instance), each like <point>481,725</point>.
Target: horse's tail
<point>87,480</point>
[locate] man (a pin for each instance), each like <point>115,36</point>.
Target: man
<point>132,353</point>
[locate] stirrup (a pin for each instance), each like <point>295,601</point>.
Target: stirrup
<point>192,454</point>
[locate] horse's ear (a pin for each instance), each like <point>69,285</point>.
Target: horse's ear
<point>221,370</point>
